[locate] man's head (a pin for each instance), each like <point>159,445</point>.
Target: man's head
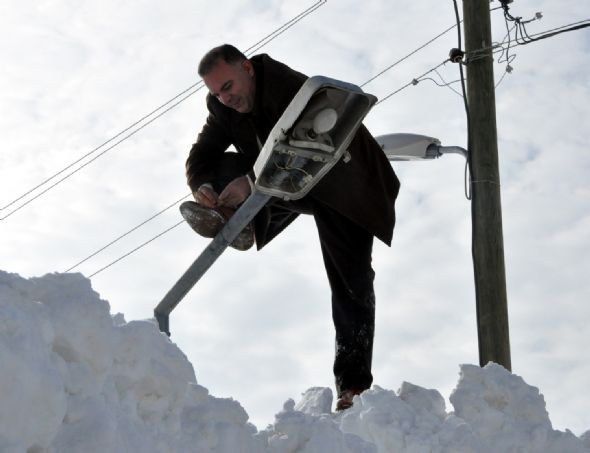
<point>229,76</point>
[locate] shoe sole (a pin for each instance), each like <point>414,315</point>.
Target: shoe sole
<point>206,222</point>
<point>209,222</point>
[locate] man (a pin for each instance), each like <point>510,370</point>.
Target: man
<point>351,204</point>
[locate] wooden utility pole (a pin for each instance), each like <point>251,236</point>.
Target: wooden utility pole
<point>488,245</point>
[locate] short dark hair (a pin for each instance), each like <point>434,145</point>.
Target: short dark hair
<point>225,52</point>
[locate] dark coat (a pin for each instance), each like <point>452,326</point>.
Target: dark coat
<point>363,189</point>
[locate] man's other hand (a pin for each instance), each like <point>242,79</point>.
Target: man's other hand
<point>235,192</point>
<point>206,196</point>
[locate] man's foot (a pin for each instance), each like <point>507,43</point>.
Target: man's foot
<point>345,400</point>
<point>209,221</point>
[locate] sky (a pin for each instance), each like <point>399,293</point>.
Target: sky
<point>257,326</point>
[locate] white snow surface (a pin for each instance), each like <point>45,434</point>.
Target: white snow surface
<point>74,378</point>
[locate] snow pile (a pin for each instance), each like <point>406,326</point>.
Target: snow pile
<point>76,379</point>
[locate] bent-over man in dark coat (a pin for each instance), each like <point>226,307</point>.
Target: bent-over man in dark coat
<point>351,204</point>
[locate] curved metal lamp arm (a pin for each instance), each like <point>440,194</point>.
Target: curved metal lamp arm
<point>453,150</point>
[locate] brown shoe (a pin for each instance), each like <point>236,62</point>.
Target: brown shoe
<point>209,221</point>
<point>345,399</point>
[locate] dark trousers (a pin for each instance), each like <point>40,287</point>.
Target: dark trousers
<point>346,250</point>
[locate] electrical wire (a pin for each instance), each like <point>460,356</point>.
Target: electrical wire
<point>447,84</point>
<point>255,47</point>
<point>279,31</point>
<point>435,69</point>
<point>437,83</point>
<point>312,8</point>
<point>518,26</point>
<point>500,47</point>
<point>191,90</point>
<point>409,55</point>
<point>506,45</point>
<point>507,58</point>
<point>507,70</point>
<point>136,249</point>
<point>474,55</point>
<point>430,41</point>
<point>466,106</point>
<point>468,167</point>
<point>550,33</point>
<point>99,155</point>
<point>414,81</point>
<point>97,148</point>
<point>169,229</point>
<point>127,233</point>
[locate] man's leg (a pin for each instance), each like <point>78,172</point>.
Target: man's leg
<point>347,249</point>
<point>276,216</point>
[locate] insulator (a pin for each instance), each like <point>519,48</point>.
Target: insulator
<point>456,55</point>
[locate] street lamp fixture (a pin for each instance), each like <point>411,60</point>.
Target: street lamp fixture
<point>405,147</point>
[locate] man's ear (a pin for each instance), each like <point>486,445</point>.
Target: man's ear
<point>247,65</point>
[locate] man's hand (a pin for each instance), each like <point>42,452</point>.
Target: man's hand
<point>206,196</point>
<point>235,192</point>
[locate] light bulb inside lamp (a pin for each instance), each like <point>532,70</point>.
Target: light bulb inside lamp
<point>324,121</point>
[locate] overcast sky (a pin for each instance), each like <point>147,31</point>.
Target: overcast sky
<point>258,326</point>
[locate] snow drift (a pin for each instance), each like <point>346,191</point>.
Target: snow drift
<point>76,379</point>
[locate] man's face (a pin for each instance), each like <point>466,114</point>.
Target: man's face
<point>233,84</point>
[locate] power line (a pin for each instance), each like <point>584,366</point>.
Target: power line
<point>465,106</point>
<point>495,48</point>
<point>414,81</point>
<point>279,31</point>
<point>297,18</point>
<point>447,84</point>
<point>127,233</point>
<point>96,149</point>
<point>427,43</point>
<point>409,55</point>
<point>256,47</point>
<point>190,90</point>
<point>136,249</point>
<point>556,31</point>
<point>99,155</point>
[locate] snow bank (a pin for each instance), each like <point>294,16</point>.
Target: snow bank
<point>76,379</point>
